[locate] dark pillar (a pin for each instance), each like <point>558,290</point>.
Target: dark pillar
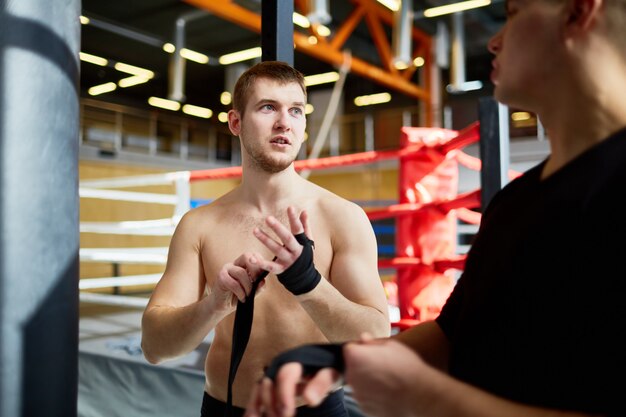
<point>277,30</point>
<point>494,147</point>
<point>39,42</point>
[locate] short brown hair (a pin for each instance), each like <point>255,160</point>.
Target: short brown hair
<point>278,71</point>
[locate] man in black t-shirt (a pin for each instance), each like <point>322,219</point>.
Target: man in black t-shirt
<point>536,325</point>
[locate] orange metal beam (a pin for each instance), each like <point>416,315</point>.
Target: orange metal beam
<point>241,16</point>
<point>381,41</point>
<point>348,26</point>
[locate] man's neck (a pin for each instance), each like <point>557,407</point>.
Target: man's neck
<point>269,191</point>
<point>582,119</point>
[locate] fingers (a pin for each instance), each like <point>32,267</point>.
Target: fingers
<point>304,219</point>
<point>295,221</point>
<point>283,234</point>
<point>320,385</point>
<point>235,280</point>
<point>287,380</point>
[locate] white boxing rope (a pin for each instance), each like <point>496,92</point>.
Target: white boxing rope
<point>151,255</point>
<point>137,181</point>
<point>113,300</point>
<point>125,281</point>
<point>157,227</point>
<point>129,196</point>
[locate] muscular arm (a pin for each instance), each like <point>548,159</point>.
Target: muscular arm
<point>180,313</point>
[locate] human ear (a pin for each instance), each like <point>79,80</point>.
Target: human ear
<point>234,122</point>
<point>582,14</point>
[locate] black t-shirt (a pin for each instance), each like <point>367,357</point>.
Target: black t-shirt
<point>539,314</point>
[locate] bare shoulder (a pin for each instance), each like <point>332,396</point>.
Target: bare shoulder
<point>339,213</point>
<point>204,217</point>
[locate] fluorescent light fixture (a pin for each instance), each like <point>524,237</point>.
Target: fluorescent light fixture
<point>520,116</point>
<point>197,111</point>
<point>308,108</point>
<point>324,78</point>
<point>169,48</point>
<point>312,40</point>
<point>239,56</point>
<point>223,117</point>
<point>400,65</point>
<point>131,81</point>
<point>300,20</point>
<point>133,70</point>
<point>455,7</point>
<point>372,99</point>
<point>93,59</point>
<point>392,5</point>
<point>101,89</point>
<point>323,31</point>
<point>194,56</point>
<point>226,98</point>
<point>84,20</point>
<point>164,103</point>
<point>419,61</point>
<point>464,87</point>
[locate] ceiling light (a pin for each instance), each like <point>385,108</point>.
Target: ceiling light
<point>372,99</point>
<point>226,98</point>
<point>223,117</point>
<point>327,77</point>
<point>197,111</point>
<point>131,81</point>
<point>312,40</point>
<point>455,7</point>
<point>323,31</point>
<point>239,56</point>
<point>101,89</point>
<point>84,20</point>
<point>308,108</point>
<point>464,87</point>
<point>92,59</point>
<point>520,116</point>
<point>392,5</point>
<point>400,65</point>
<point>300,20</point>
<point>419,61</point>
<point>194,56</point>
<point>169,48</point>
<point>164,103</point>
<point>131,69</point>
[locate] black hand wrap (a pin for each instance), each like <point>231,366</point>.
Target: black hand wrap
<point>301,277</point>
<point>311,357</point>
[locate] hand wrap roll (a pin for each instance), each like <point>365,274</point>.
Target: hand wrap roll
<point>301,277</point>
<point>311,357</point>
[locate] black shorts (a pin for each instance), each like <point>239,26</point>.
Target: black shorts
<point>333,406</point>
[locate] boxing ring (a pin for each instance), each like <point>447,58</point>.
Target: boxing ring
<point>419,269</point>
<point>426,215</point>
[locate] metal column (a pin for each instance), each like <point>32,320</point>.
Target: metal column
<point>277,30</point>
<point>494,147</point>
<point>39,110</point>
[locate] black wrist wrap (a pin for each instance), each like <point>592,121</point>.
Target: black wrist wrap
<point>311,357</point>
<point>301,277</point>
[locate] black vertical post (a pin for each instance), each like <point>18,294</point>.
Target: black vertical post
<point>39,43</point>
<point>277,30</point>
<point>494,148</point>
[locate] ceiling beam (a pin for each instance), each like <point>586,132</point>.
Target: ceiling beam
<point>323,51</point>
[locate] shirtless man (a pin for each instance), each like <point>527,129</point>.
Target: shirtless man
<point>218,248</point>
